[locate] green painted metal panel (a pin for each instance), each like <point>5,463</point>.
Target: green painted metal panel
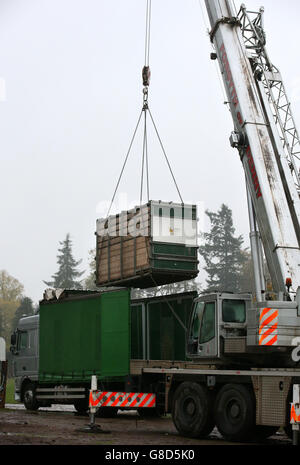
<point>175,257</point>
<point>115,334</point>
<point>174,250</point>
<point>83,336</point>
<point>160,333</point>
<point>175,265</point>
<point>175,211</point>
<point>167,337</point>
<point>137,335</point>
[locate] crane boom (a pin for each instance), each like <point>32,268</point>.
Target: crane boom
<point>267,156</point>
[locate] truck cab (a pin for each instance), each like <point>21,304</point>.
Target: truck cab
<point>25,351</point>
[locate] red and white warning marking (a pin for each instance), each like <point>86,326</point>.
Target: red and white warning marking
<point>121,399</point>
<point>268,327</point>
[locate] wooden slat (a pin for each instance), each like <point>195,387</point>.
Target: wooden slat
<point>114,266</point>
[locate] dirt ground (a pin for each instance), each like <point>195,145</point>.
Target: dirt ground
<point>20,427</point>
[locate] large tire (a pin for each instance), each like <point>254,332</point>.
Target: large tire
<point>29,397</point>
<point>192,410</point>
<point>107,412</point>
<point>82,406</point>
<point>261,433</point>
<point>235,413</point>
<point>149,413</point>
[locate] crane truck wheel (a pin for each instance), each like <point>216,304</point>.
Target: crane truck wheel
<point>192,410</point>
<point>149,413</point>
<point>264,432</point>
<point>29,398</point>
<point>235,412</point>
<point>82,406</point>
<point>107,412</point>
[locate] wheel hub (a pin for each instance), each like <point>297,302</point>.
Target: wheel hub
<point>235,410</point>
<point>191,408</point>
<point>28,395</point>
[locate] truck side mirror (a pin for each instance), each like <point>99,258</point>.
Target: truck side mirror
<point>13,339</point>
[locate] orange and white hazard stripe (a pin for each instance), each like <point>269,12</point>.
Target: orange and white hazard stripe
<point>268,327</point>
<point>121,399</point>
<point>295,414</point>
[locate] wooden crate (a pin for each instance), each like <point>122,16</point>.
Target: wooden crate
<point>128,255</point>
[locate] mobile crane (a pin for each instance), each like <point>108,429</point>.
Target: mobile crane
<point>267,140</point>
<point>242,375</point>
<point>245,344</point>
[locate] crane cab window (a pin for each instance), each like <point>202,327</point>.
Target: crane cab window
<point>208,324</point>
<point>204,322</point>
<point>234,311</point>
<point>197,317</point>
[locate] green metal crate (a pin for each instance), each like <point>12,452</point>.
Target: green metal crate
<point>161,250</point>
<point>156,333</point>
<point>81,336</point>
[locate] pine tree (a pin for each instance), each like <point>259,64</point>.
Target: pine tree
<point>25,308</point>
<point>89,282</point>
<point>67,276</point>
<point>223,253</point>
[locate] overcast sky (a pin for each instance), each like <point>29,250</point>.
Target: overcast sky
<point>71,93</point>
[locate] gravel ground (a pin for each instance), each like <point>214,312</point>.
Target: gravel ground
<point>60,425</point>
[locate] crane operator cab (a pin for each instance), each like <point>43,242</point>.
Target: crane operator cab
<point>218,326</point>
<point>230,329</point>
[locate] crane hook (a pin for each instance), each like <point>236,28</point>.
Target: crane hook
<point>146,74</point>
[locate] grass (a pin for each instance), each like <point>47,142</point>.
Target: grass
<point>10,389</point>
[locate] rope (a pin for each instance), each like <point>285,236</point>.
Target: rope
<point>148,32</point>
<point>125,162</point>
<point>164,152</point>
<point>145,108</point>
<point>145,160</point>
<point>171,308</point>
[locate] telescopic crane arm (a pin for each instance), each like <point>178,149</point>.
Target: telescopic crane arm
<point>267,140</point>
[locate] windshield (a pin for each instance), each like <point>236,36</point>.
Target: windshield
<point>203,323</point>
<point>197,315</point>
<point>208,326</point>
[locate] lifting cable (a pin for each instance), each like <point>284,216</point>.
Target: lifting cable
<point>146,82</point>
<point>145,110</point>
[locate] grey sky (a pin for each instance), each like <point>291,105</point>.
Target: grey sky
<point>73,93</point>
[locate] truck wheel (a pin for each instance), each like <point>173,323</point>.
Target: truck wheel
<point>235,413</point>
<point>29,398</point>
<point>107,412</point>
<point>264,432</point>
<point>81,406</point>
<point>149,413</point>
<point>192,410</point>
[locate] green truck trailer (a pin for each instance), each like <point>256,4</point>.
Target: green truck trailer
<point>107,334</point>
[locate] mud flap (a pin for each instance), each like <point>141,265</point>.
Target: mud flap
<point>3,384</point>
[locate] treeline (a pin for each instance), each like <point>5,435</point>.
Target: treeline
<point>222,256</point>
<point>13,304</point>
